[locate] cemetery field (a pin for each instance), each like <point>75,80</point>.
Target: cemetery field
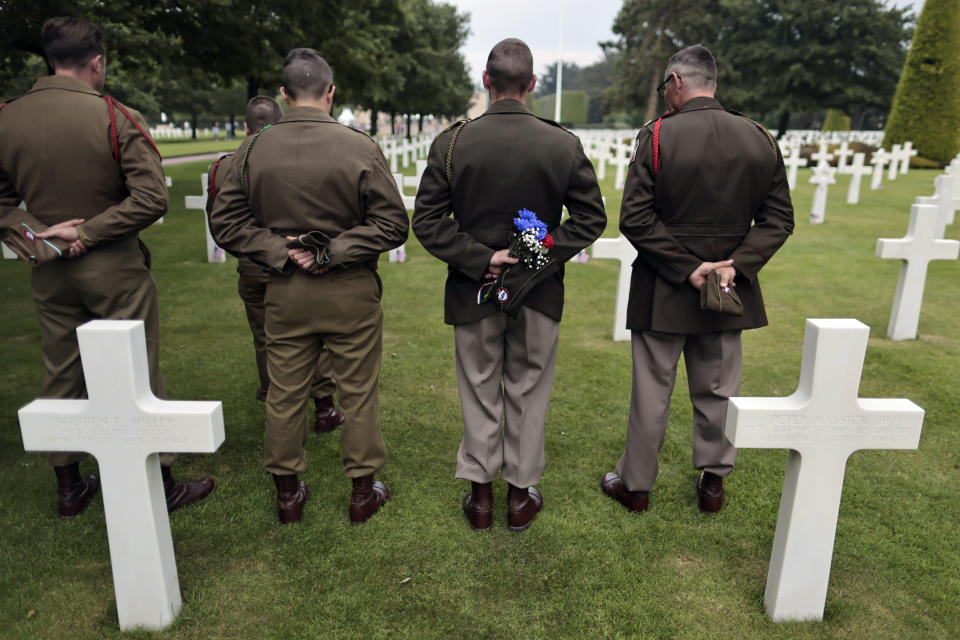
<point>586,568</point>
<point>191,147</point>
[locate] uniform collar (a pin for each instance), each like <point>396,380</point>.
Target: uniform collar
<point>295,114</point>
<point>700,102</point>
<point>63,82</point>
<point>507,105</point>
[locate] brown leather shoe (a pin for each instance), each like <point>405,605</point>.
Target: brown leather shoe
<point>613,486</point>
<point>522,506</point>
<point>709,488</point>
<point>328,417</point>
<point>74,492</point>
<point>180,494</point>
<point>478,505</point>
<point>291,496</point>
<point>367,497</point>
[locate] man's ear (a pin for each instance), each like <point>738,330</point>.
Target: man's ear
<point>533,83</point>
<point>283,94</point>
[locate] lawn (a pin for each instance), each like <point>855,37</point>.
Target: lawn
<point>586,567</point>
<point>192,148</point>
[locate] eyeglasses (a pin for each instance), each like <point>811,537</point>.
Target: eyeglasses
<point>662,87</point>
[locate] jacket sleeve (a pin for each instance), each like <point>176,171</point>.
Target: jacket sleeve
<point>640,224</point>
<point>435,229</point>
<point>588,218</point>
<point>146,200</point>
<point>385,223</point>
<point>234,227</point>
<point>772,225</point>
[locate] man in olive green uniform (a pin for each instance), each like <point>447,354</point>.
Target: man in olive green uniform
<point>706,192</point>
<point>252,283</point>
<point>97,185</point>
<point>484,172</point>
<point>308,174</point>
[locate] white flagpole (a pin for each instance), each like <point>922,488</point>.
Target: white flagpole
<point>556,109</point>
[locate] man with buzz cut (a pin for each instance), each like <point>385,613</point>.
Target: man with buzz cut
<point>706,204</point>
<point>84,165</point>
<point>263,111</point>
<point>484,172</point>
<point>315,203</point>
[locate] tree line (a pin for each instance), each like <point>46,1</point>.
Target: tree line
<point>210,56</point>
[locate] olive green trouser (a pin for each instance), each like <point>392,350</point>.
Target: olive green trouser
<point>339,310</point>
<point>252,290</point>
<point>112,281</point>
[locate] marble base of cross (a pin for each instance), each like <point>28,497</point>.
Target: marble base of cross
<point>822,423</point>
<point>916,250</point>
<point>619,249</point>
<point>214,252</point>
<point>124,426</point>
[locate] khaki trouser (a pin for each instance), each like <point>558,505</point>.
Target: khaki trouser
<point>505,370</point>
<point>252,290</point>
<point>714,362</point>
<point>112,281</point>
<point>304,313</point>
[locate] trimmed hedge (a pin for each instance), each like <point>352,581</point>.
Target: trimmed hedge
<point>836,120</point>
<point>926,106</point>
<point>573,108</point>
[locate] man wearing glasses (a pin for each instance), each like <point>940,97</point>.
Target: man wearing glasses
<point>706,192</point>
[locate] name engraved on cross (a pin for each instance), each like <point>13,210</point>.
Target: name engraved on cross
<point>916,250</point>
<point>214,252</point>
<point>619,249</point>
<point>124,426</point>
<point>822,423</point>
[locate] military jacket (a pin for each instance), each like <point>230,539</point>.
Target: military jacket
<point>503,161</point>
<point>56,154</point>
<point>306,173</point>
<point>720,191</point>
<point>215,174</point>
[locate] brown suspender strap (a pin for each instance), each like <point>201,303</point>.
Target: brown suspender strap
<point>448,167</point>
<point>114,136</point>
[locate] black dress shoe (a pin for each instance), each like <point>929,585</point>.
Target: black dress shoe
<point>74,492</point>
<point>292,494</point>
<point>613,486</point>
<point>327,416</point>
<point>367,498</point>
<point>709,488</point>
<point>478,505</point>
<point>522,506</point>
<point>180,494</point>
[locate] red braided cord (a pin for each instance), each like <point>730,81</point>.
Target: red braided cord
<point>213,179</point>
<point>656,146</point>
<point>113,127</point>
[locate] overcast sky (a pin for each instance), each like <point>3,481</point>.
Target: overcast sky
<point>537,22</point>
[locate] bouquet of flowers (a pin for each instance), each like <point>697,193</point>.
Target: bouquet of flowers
<point>530,243</point>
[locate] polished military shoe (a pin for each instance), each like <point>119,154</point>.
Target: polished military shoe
<point>522,506</point>
<point>613,486</point>
<point>367,498</point>
<point>74,492</point>
<point>292,494</point>
<point>478,505</point>
<point>180,494</point>
<point>327,416</point>
<point>709,488</point>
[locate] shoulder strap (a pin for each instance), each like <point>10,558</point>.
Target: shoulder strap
<point>448,167</point>
<point>213,178</point>
<point>246,159</point>
<point>114,136</point>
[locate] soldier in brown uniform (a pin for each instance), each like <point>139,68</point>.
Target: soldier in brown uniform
<point>252,283</point>
<point>310,174</point>
<point>64,123</point>
<point>504,161</point>
<point>706,192</point>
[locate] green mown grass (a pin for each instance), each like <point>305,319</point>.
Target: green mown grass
<point>191,147</point>
<point>587,567</point>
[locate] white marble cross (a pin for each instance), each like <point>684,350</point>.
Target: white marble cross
<point>823,175</point>
<point>621,158</point>
<point>842,154</point>
<point>214,252</point>
<point>793,161</point>
<point>905,154</point>
<point>619,249</point>
<point>822,155</point>
<point>822,423</point>
<point>856,171</point>
<point>896,152</point>
<point>944,199</point>
<point>916,250</point>
<point>124,426</point>
<point>880,158</point>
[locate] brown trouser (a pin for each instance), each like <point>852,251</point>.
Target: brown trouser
<point>339,310</point>
<point>714,362</point>
<point>112,281</point>
<point>252,290</point>
<point>505,372</point>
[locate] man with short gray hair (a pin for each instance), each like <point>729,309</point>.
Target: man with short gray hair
<point>706,205</point>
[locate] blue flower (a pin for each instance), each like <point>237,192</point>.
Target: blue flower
<point>528,220</point>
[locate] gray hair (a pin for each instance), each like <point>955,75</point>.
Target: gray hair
<point>696,65</point>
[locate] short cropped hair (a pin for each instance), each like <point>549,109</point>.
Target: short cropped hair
<point>261,111</point>
<point>510,66</point>
<point>69,43</point>
<point>696,63</point>
<point>306,74</point>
